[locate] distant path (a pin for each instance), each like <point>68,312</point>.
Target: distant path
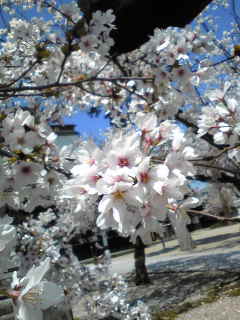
<point>221,242</point>
<point>216,249</point>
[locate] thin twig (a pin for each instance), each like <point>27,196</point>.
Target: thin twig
<point>59,11</point>
<point>62,67</point>
<point>131,92</point>
<point>204,165</point>
<point>207,214</point>
<point>207,137</point>
<point>23,74</point>
<point>72,84</point>
<point>94,93</point>
<point>218,155</point>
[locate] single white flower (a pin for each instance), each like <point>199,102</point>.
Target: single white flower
<point>87,176</point>
<point>19,139</point>
<point>115,203</point>
<point>26,173</point>
<point>146,121</point>
<point>123,151</point>
<point>31,295</point>
<point>88,43</point>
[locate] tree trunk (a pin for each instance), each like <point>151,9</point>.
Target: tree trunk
<point>140,266</point>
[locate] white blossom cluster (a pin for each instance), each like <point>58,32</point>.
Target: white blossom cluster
<point>167,60</point>
<point>222,117</point>
<point>132,187</point>
<point>28,177</point>
<point>102,294</point>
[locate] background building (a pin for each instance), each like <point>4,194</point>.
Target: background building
<point>66,134</point>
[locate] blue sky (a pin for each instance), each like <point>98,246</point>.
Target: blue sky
<point>86,126</point>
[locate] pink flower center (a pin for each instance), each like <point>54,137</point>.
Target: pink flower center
<point>149,141</point>
<point>21,140</point>
<point>26,170</point>
<point>14,293</point>
<point>95,178</point>
<point>87,43</point>
<point>90,162</point>
<point>181,72</point>
<point>144,177</point>
<point>118,179</point>
<point>123,162</point>
<point>81,190</point>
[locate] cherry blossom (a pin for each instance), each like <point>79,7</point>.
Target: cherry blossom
<point>31,294</point>
<point>175,118</point>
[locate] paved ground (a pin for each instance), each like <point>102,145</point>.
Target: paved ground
<point>224,240</point>
<point>227,308</point>
<point>216,248</point>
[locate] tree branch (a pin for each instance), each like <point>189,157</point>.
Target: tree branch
<point>3,89</point>
<point>207,137</point>
<point>203,213</point>
<point>23,74</point>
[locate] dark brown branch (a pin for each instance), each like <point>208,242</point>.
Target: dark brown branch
<point>23,74</point>
<point>67,174</point>
<point>218,155</point>
<point>59,11</point>
<point>71,84</point>
<point>199,95</point>
<point>62,67</point>
<point>93,93</point>
<point>205,165</point>
<point>41,94</point>
<point>140,262</point>
<point>207,137</point>
<point>131,91</point>
<point>203,213</point>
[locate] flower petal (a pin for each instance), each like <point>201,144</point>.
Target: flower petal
<point>35,275</point>
<point>105,204</point>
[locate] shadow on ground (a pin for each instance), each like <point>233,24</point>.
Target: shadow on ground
<point>229,240</point>
<point>217,238</point>
<point>199,262</point>
<point>166,250</point>
<point>181,279</point>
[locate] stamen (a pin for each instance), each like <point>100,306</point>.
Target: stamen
<point>119,195</point>
<point>33,296</point>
